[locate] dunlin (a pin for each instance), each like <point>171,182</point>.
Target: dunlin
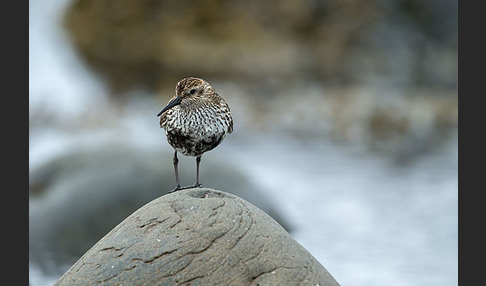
<point>195,120</point>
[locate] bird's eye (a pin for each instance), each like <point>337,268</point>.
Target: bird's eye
<point>192,91</point>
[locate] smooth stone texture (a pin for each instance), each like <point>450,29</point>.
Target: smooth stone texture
<point>198,237</point>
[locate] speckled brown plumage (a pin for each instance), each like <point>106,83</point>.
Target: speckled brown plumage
<point>195,120</point>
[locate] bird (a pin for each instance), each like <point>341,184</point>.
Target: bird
<point>195,120</point>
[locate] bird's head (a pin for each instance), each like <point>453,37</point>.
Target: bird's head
<point>187,90</point>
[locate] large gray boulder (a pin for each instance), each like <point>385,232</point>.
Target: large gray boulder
<point>197,236</point>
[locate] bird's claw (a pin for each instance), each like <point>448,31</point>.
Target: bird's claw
<point>178,188</point>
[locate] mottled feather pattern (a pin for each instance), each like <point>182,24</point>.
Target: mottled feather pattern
<point>200,122</point>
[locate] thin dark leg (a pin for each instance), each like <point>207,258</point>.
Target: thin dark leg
<point>196,185</point>
<point>198,160</point>
<point>176,161</point>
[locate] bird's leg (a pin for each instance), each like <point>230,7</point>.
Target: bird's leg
<point>197,184</point>
<point>176,161</point>
<point>198,160</point>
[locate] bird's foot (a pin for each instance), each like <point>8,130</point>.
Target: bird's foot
<point>178,187</point>
<point>191,187</point>
<point>196,185</point>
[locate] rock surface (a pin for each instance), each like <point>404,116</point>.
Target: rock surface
<point>198,237</point>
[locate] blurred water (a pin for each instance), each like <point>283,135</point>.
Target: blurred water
<point>367,220</point>
<point>59,82</point>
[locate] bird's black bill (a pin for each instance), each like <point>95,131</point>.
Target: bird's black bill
<point>172,103</point>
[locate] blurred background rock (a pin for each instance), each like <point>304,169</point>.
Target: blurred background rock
<point>409,43</point>
<point>315,87</point>
<point>390,64</point>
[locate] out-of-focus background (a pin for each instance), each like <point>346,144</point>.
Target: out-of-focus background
<point>345,116</point>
